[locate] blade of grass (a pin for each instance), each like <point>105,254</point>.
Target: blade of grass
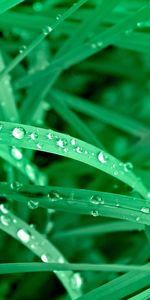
<point>61,144</point>
<point>5,5</point>
<point>142,296</point>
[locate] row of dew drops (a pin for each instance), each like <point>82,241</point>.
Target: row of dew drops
<point>62,143</point>
<point>26,237</point>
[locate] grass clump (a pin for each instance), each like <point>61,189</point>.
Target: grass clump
<point>74,149</point>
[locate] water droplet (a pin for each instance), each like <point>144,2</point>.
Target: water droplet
<point>3,209</point>
<point>50,136</point>
<point>33,204</point>
<point>54,196</point>
<point>79,149</point>
<point>34,135</point>
<point>128,166</point>
<point>47,30</point>
<point>39,146</point>
<point>145,210</point>
<point>115,173</point>
<point>5,220</point>
<point>95,213</point>
<point>18,133</point>
<point>23,235</point>
<point>16,153</point>
<point>96,199</point>
<point>137,219</point>
<point>102,157</point>
<point>44,258</point>
<point>22,49</point>
<point>58,17</point>
<point>93,45</point>
<point>76,281</point>
<point>73,142</point>
<point>61,143</point>
<point>16,185</point>
<point>99,44</point>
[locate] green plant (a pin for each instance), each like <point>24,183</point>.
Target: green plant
<point>74,149</point>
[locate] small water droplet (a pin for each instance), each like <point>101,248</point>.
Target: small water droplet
<point>34,135</point>
<point>5,220</point>
<point>99,44</point>
<point>137,219</point>
<point>54,196</point>
<point>22,49</point>
<point>3,209</point>
<point>93,45</point>
<point>128,166</point>
<point>73,142</point>
<point>102,157</point>
<point>16,153</point>
<point>115,173</point>
<point>96,199</point>
<point>47,30</point>
<point>58,17</point>
<point>44,258</point>
<point>95,213</point>
<point>79,149</point>
<point>50,136</point>
<point>16,185</point>
<point>61,143</point>
<point>23,235</point>
<point>76,281</point>
<point>39,146</point>
<point>18,133</point>
<point>145,210</point>
<point>33,204</point>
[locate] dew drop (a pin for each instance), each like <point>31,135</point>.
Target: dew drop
<point>102,157</point>
<point>3,209</point>
<point>145,210</point>
<point>22,49</point>
<point>58,17</point>
<point>95,213</point>
<point>79,150</point>
<point>23,235</point>
<point>16,153</point>
<point>61,143</point>
<point>18,133</point>
<point>16,185</point>
<point>34,136</point>
<point>39,146</point>
<point>99,44</point>
<point>50,136</point>
<point>137,219</point>
<point>76,281</point>
<point>96,199</point>
<point>128,166</point>
<point>93,45</point>
<point>73,142</point>
<point>47,30</point>
<point>44,258</point>
<point>5,220</point>
<point>33,204</point>
<point>54,196</point>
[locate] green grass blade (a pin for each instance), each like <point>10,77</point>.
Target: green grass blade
<point>142,296</point>
<point>5,5</point>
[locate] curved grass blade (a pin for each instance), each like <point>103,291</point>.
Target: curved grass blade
<point>40,246</point>
<point>80,201</point>
<point>64,145</point>
<point>142,296</point>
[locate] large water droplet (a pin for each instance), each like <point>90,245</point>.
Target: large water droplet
<point>79,149</point>
<point>128,166</point>
<point>96,199</point>
<point>16,153</point>
<point>23,235</point>
<point>33,204</point>
<point>102,157</point>
<point>5,220</point>
<point>19,133</point>
<point>50,135</point>
<point>47,30</point>
<point>73,142</point>
<point>61,143</point>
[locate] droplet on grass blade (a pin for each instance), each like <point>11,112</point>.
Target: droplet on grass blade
<point>22,49</point>
<point>16,185</point>
<point>5,220</point>
<point>3,209</point>
<point>96,199</point>
<point>23,235</point>
<point>47,30</point>
<point>16,153</point>
<point>54,196</point>
<point>95,213</point>
<point>102,157</point>
<point>34,135</point>
<point>128,166</point>
<point>76,281</point>
<point>44,258</point>
<point>18,133</point>
<point>145,210</point>
<point>33,204</point>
